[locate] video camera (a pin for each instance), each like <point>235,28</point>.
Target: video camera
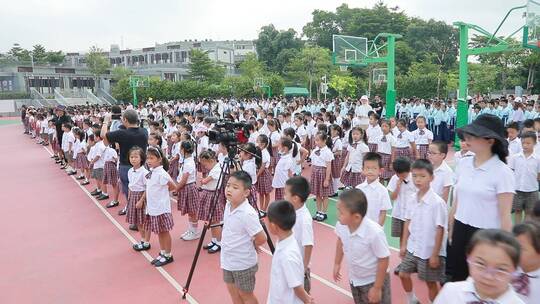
<point>229,133</point>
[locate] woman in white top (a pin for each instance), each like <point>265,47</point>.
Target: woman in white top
<point>362,112</point>
<point>483,192</point>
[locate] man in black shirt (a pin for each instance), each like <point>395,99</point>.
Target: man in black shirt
<point>126,138</point>
<point>60,119</point>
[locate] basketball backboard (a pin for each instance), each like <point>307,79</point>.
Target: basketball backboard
<point>531,36</point>
<point>349,50</point>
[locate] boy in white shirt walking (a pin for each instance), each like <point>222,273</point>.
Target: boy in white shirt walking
<point>242,233</point>
<point>287,272</point>
<point>443,176</point>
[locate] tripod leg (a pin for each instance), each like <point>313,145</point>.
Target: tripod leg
<point>195,259</point>
<point>268,238</point>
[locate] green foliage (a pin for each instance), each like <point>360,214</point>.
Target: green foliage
<point>272,42</point>
<point>252,67</point>
<point>14,95</point>
<point>276,83</point>
<point>310,65</point>
<point>96,61</point>
<point>39,53</point>
<point>345,86</point>
<point>119,73</point>
<point>201,68</point>
<point>482,78</point>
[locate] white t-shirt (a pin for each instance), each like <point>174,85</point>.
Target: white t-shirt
<point>526,171</point>
<point>158,200</point>
<point>265,158</point>
<point>239,227</point>
<point>514,146</point>
<point>377,197</point>
<point>99,150</point>
<point>187,166</point>
<point>465,292</point>
<point>303,229</point>
<point>324,156</point>
<point>136,179</point>
<point>67,138</point>
<point>362,249</point>
<point>443,176</point>
<point>284,166</point>
<point>287,272</point>
<point>406,190</point>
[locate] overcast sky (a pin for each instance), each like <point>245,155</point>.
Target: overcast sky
<point>75,25</point>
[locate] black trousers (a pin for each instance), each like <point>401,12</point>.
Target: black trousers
<point>456,266</point>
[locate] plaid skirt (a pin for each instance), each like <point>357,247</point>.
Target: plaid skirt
<point>404,152</point>
<point>336,164</point>
<point>278,195</point>
<point>188,199</point>
<point>252,198</point>
<point>387,166</point>
<point>344,154</point>
<point>110,174</point>
<point>134,216</point>
<point>423,150</point>
<point>352,179</point>
<point>205,203</point>
<point>81,162</point>
<point>372,147</point>
<point>173,169</point>
<point>159,223</point>
<point>318,174</point>
<point>264,182</point>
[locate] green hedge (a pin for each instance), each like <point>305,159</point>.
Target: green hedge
<point>14,95</point>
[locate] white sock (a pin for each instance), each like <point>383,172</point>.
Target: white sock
<point>336,184</point>
<point>217,242</point>
<point>214,240</point>
<point>104,193</point>
<point>193,226</point>
<point>410,296</point>
<point>167,254</point>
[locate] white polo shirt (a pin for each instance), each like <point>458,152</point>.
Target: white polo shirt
<point>514,146</point>
<point>187,166</point>
<point>426,215</point>
<point>214,173</point>
<point>385,143</point>
<point>443,176</point>
<point>287,272</point>
<point>405,140</point>
<point>362,248</point>
<point>356,156</point>
<point>99,150</point>
<point>526,171</point>
<point>274,137</point>
<point>158,200</point>
<point>67,138</point>
<point>422,138</point>
<point>239,227</point>
<point>265,158</point>
<point>303,229</point>
<point>325,155</point>
<point>373,133</point>
<point>403,199</point>
<point>285,165</point>
<point>377,197</point>
<point>136,179</point>
<point>110,154</point>
<point>251,168</point>
<point>465,292</point>
<point>337,145</point>
<point>477,190</point>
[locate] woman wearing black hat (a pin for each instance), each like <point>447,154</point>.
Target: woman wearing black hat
<point>483,192</point>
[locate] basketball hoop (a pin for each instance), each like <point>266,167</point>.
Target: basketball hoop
<point>343,68</point>
<point>378,83</point>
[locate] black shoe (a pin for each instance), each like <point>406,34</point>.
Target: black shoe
<point>112,204</point>
<point>154,261</point>
<point>122,212</point>
<point>141,246</point>
<point>208,246</point>
<point>163,260</point>
<point>54,156</point>
<point>262,214</point>
<point>316,216</point>
<point>72,173</point>
<point>396,271</point>
<point>80,178</point>
<point>58,161</point>
<point>95,192</point>
<point>334,195</point>
<point>323,217</point>
<point>85,183</point>
<point>133,227</point>
<point>214,249</point>
<point>102,197</point>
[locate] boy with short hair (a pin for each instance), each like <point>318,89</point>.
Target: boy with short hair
<point>297,192</point>
<point>68,139</point>
<point>424,232</point>
<point>514,143</point>
<point>242,234</point>
<point>376,194</point>
<point>526,166</point>
<point>443,176</point>
<point>97,163</point>
<point>363,243</point>
<point>286,275</point>
<point>401,188</point>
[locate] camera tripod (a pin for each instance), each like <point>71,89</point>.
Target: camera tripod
<point>228,163</point>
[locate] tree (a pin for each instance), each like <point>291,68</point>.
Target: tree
<point>283,59</point>
<point>482,78</point>
<point>97,63</point>
<point>39,53</point>
<point>271,42</point>
<point>119,73</point>
<point>55,57</point>
<point>19,53</point>
<point>252,67</point>
<point>203,69</point>
<point>276,83</point>
<point>344,85</point>
<point>310,65</point>
<point>321,28</point>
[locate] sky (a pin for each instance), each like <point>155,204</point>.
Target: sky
<point>75,25</point>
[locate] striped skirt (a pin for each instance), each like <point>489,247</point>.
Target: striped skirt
<point>372,147</point>
<point>318,175</point>
<point>422,151</point>
<point>252,198</point>
<point>188,199</point>
<point>81,162</point>
<point>336,164</point>
<point>205,205</point>
<point>173,169</point>
<point>387,166</point>
<point>404,152</point>
<point>134,216</point>
<point>110,174</point>
<point>279,194</point>
<point>264,182</point>
<point>352,179</point>
<point>159,223</point>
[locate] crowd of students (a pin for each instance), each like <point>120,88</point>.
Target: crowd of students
<point>454,225</point>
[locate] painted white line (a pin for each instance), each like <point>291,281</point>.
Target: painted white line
<point>162,271</point>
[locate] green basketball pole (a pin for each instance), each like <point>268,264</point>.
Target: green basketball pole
<point>134,90</point>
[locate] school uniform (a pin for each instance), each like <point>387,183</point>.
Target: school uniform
<point>352,175</point>
<point>465,292</point>
<point>426,214</point>
<point>362,248</point>
<point>373,133</point>
<point>208,195</point>
<point>136,188</point>
<point>287,272</point>
<point>337,163</point>
<point>250,167</point>
<point>203,144</point>
<point>173,165</point>
<point>514,146</point>
<point>264,181</point>
<point>476,190</point>
<point>303,233</point>
<point>319,158</point>
<point>188,196</point>
<point>406,190</point>
<point>443,176</point>
<point>79,153</point>
<point>158,202</point>
<point>385,143</point>
<point>238,256</point>
<point>284,166</point>
<point>110,173</point>
<point>97,169</point>
<point>526,170</point>
<point>422,139</point>
<point>459,155</point>
<point>527,286</point>
<point>403,144</point>
<point>67,139</point>
<point>377,197</point>
<point>274,138</point>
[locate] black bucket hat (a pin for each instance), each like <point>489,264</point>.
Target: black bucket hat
<point>485,126</point>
